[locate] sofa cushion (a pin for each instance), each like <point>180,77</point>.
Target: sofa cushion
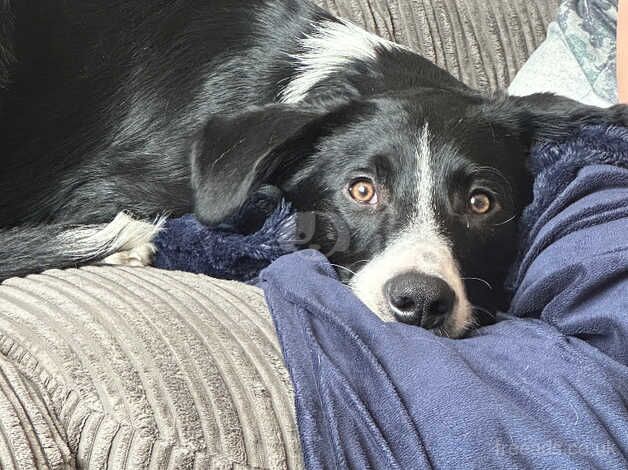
<point>141,368</point>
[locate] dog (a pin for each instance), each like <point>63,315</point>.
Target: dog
<point>150,107</point>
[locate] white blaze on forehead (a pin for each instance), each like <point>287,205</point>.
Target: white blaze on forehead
<point>424,216</point>
<point>332,46</point>
<point>419,247</point>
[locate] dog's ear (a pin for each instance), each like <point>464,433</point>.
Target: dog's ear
<point>236,154</point>
<point>548,117</point>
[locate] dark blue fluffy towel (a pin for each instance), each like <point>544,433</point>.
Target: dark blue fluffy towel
<point>229,252</point>
<point>546,387</point>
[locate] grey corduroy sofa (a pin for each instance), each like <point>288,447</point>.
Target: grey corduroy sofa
<point>138,368</point>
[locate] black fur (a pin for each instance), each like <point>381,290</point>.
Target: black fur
<point>154,106</point>
<point>30,249</point>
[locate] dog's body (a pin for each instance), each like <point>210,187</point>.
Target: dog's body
<point>153,107</point>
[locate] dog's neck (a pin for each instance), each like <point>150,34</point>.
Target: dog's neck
<point>329,54</point>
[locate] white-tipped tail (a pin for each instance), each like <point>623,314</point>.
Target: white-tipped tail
<point>28,250</point>
<point>122,234</point>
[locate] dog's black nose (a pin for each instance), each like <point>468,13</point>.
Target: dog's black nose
<point>418,299</point>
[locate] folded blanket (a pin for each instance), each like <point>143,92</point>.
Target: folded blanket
<point>546,387</point>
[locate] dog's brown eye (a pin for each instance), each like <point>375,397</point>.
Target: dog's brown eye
<point>480,203</point>
<point>363,191</point>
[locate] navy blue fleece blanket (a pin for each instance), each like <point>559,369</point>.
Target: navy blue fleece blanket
<point>546,387</point>
<point>230,251</point>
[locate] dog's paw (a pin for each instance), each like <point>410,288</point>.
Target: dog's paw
<point>128,242</point>
<point>141,255</point>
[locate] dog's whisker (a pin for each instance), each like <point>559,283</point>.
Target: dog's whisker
<point>489,170</point>
<point>472,323</point>
<point>496,172</point>
<point>479,279</point>
<point>362,261</point>
<point>443,332</point>
<point>481,309</point>
<point>506,221</point>
<point>343,267</point>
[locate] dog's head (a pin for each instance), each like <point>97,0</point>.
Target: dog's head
<point>414,196</point>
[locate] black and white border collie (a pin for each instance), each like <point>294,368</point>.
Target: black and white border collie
<point>151,107</point>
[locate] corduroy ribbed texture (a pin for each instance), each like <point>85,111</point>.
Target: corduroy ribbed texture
<point>481,42</point>
<point>140,368</point>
